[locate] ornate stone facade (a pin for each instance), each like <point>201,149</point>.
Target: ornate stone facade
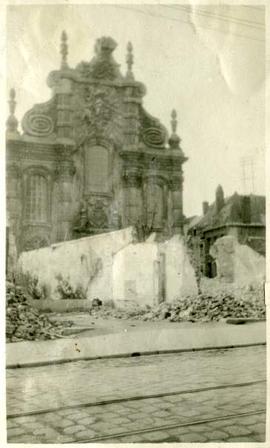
<point>91,159</point>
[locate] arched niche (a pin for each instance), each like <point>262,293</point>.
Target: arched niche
<point>97,170</point>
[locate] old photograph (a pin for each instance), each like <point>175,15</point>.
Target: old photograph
<point>135,223</point>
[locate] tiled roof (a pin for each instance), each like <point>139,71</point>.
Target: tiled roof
<point>235,210</point>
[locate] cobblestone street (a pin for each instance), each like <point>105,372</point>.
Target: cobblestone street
<point>68,389</point>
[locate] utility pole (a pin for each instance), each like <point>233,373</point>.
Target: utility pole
<point>248,174</point>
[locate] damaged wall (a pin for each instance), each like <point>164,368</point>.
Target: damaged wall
<point>85,262</point>
<point>114,266</point>
<point>237,263</point>
<point>152,272</point>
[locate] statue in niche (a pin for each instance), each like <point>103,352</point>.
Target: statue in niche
<point>97,216</point>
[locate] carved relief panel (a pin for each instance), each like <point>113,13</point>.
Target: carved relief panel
<point>97,170</point>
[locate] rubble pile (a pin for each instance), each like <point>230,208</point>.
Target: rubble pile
<point>206,308</point>
<point>238,303</point>
<point>25,323</point>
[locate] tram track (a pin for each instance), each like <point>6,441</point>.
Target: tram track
<point>168,427</point>
<point>132,398</point>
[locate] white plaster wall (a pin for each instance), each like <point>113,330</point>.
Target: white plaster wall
<point>76,260</point>
<point>134,273</point>
<point>180,276</point>
<point>236,262</point>
<point>137,272</point>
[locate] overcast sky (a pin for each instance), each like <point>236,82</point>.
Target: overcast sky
<point>213,78</point>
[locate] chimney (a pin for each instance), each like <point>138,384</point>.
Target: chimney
<point>205,207</point>
<point>246,209</point>
<point>219,198</point>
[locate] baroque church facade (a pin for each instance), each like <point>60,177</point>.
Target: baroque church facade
<point>91,159</point>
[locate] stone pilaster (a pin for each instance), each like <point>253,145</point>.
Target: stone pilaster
<point>14,201</point>
<point>155,201</point>
<point>132,130</point>
<point>176,193</point>
<point>64,110</point>
<point>132,182</point>
<point>65,172</point>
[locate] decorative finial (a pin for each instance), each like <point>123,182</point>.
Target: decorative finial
<point>12,122</point>
<point>174,121</point>
<point>129,61</point>
<point>64,49</point>
<point>174,140</point>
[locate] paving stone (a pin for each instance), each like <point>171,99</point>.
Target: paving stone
<point>65,412</point>
<point>119,420</point>
<point>134,426</point>
<point>19,439</point>
<point>24,419</point>
<point>258,427</point>
<point>251,419</point>
<point>221,423</point>
<point>237,430</point>
<point>157,436</point>
<point>46,432</point>
<point>64,423</point>
<point>73,429</point>
<point>258,437</point>
<point>162,414</point>
<point>61,438</point>
<point>136,438</point>
<point>102,427</point>
<point>87,434</point>
<point>16,432</point>
<point>88,421</point>
<point>193,437</point>
<point>178,431</point>
<point>241,439</point>
<point>216,434</point>
<point>11,424</point>
<point>174,399</point>
<point>77,414</point>
<point>33,425</point>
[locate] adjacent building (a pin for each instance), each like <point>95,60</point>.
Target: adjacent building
<point>242,216</point>
<point>91,159</point>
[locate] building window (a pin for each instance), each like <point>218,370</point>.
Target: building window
<point>37,198</point>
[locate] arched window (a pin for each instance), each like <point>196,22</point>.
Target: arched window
<point>36,198</point>
<point>97,170</point>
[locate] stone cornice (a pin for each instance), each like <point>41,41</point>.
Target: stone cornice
<point>162,161</point>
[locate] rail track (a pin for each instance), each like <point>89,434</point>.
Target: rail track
<point>167,427</point>
<point>149,429</point>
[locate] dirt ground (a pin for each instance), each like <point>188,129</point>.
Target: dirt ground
<point>99,326</point>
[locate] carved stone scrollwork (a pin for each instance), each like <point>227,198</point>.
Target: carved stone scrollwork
<point>152,132</point>
<point>153,137</point>
<point>38,121</point>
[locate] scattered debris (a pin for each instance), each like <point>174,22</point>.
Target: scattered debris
<point>24,322</point>
<point>245,302</point>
